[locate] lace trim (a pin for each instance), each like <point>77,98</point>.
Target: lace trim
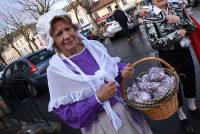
<point>69,99</point>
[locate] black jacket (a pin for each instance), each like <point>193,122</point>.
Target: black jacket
<point>120,16</point>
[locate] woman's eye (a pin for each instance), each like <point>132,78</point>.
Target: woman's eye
<point>58,34</point>
<point>67,29</point>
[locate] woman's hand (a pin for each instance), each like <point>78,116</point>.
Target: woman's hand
<point>107,91</point>
<point>127,71</point>
<point>182,32</point>
<point>172,19</point>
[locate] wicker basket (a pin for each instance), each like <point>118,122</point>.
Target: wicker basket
<point>157,109</point>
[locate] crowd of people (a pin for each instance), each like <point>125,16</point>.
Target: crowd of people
<point>84,80</point>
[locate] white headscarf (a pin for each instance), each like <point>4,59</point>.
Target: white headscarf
<point>65,86</point>
<point>43,25</point>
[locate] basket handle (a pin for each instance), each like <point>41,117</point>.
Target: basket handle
<point>151,58</point>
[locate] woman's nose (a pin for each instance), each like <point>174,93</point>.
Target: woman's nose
<point>65,35</point>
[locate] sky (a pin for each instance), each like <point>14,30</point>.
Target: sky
<point>59,5</point>
<point>3,3</point>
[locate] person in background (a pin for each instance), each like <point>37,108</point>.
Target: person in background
<point>169,37</point>
<point>134,19</point>
<point>84,79</point>
<point>122,19</point>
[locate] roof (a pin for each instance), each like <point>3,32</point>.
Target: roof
<point>101,3</point>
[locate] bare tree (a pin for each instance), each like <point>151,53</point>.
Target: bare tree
<point>7,37</point>
<point>35,7</point>
<point>14,20</point>
<point>73,5</point>
<point>87,5</point>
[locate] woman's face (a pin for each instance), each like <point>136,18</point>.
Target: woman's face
<point>159,3</point>
<point>65,37</point>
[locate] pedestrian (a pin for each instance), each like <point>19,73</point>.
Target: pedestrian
<point>134,17</point>
<point>122,19</point>
<point>83,81</point>
<point>167,28</point>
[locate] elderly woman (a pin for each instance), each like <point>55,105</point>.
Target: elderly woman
<point>167,26</point>
<point>83,81</point>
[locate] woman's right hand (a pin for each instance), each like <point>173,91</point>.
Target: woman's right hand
<point>107,91</point>
<point>182,32</point>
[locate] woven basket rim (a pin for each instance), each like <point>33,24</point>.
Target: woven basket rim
<point>156,102</point>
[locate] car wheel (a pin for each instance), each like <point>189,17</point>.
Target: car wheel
<point>32,89</point>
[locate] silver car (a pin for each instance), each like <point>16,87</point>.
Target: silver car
<point>113,27</point>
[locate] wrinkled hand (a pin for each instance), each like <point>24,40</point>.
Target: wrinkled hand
<point>182,32</point>
<point>107,91</point>
<point>127,71</point>
<point>172,19</point>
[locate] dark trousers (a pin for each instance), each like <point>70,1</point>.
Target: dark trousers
<point>182,62</point>
<point>137,29</point>
<point>125,29</point>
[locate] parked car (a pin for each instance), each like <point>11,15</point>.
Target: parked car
<point>113,27</point>
<point>87,33</point>
<point>31,69</point>
<point>90,35</point>
<point>2,68</point>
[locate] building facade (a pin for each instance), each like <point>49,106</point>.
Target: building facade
<point>108,6</point>
<point>84,19</point>
<point>10,54</point>
<point>101,8</point>
<point>21,47</point>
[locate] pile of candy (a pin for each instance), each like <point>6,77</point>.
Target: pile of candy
<point>153,85</point>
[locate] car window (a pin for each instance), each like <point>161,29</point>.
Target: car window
<point>110,19</point>
<point>9,71</point>
<point>40,56</point>
<point>15,68</point>
<point>85,32</point>
<point>22,67</point>
<point>2,67</point>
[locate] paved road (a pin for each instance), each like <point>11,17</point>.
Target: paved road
<point>137,49</point>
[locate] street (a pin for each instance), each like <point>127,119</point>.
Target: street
<point>130,52</point>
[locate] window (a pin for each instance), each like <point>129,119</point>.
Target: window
<point>110,19</point>
<point>15,68</point>
<point>23,67</point>
<point>81,21</point>
<point>124,2</point>
<point>96,15</point>
<point>2,67</point>
<point>25,49</point>
<point>109,9</point>
<point>17,45</point>
<point>21,42</point>
<point>9,71</point>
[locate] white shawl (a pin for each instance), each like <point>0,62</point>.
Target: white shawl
<point>66,87</point>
